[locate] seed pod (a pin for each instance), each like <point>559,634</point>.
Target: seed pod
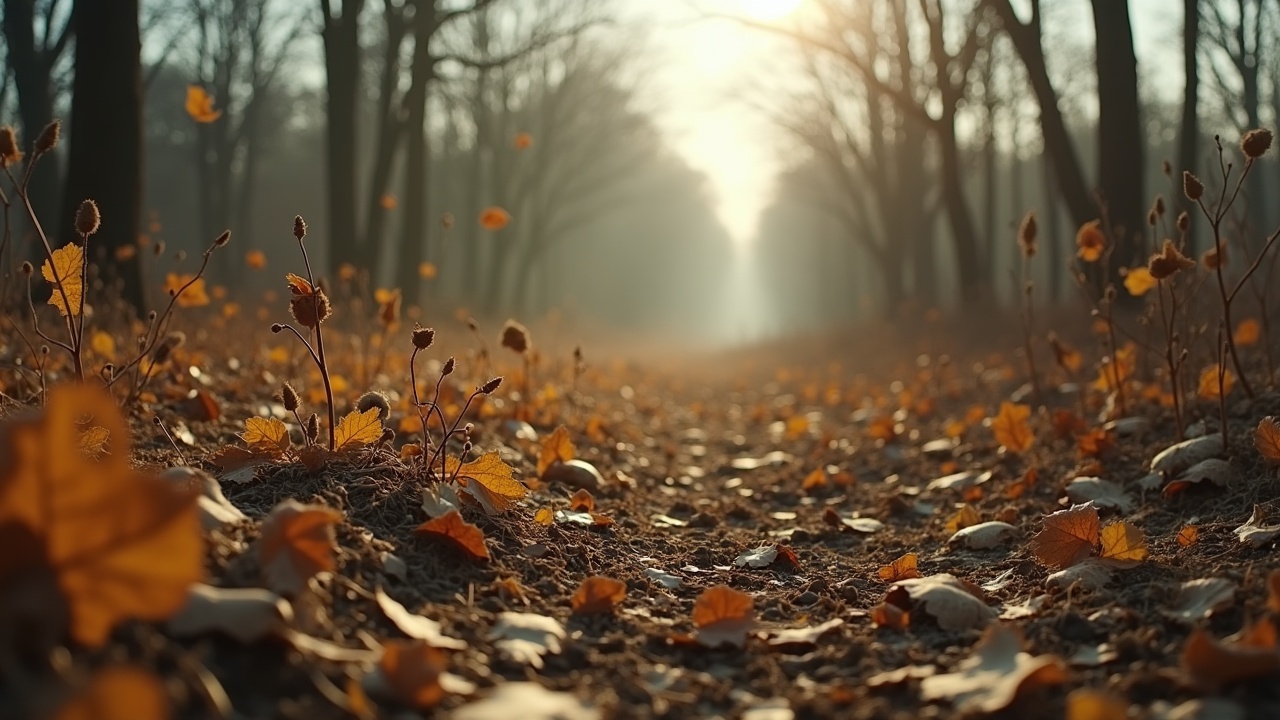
<point>375,399</point>
<point>1255,143</point>
<point>299,227</point>
<point>289,397</point>
<point>10,153</point>
<point>448,367</point>
<point>313,427</point>
<point>223,239</point>
<point>515,337</point>
<point>423,337</point>
<point>1191,186</point>
<point>48,139</point>
<point>87,218</point>
<point>310,309</point>
<point>489,387</point>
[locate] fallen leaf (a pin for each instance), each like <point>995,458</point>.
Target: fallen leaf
<point>665,579</point>
<point>556,447</point>
<point>1087,575</point>
<point>1123,542</point>
<point>489,480</point>
<point>1266,437</point>
<point>1100,492</point>
<point>416,674</point>
<point>890,616</point>
<point>439,499</point>
<point>582,501</point>
<point>93,442</point>
<point>544,517</point>
<point>1180,456</point>
<point>1255,532</point>
<point>801,640</point>
<point>66,265</point>
<point>297,542</point>
<point>414,625</point>
<point>357,429</point>
<point>245,614</point>
<point>983,536</point>
<point>757,557</point>
<point>1011,428</point>
<point>1214,470</point>
<point>527,701</point>
<point>1068,536</point>
<point>1201,598</point>
<point>1087,704</point>
<point>461,533</point>
<point>526,637</point>
<point>1210,663</point>
<point>1273,591</point>
<point>966,516</point>
<point>118,543</point>
<point>1188,535</point>
<point>121,692</point>
<point>723,616</point>
<point>188,290</point>
<point>959,481</point>
<point>598,595</point>
<point>904,568</point>
<point>266,435</point>
<point>944,597</point>
<point>990,679</point>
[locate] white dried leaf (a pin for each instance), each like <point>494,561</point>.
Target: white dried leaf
<point>440,499</point>
<point>1198,599</point>
<point>758,557</point>
<point>246,614</point>
<point>983,536</point>
<point>527,701</point>
<point>665,579</point>
<point>1176,458</point>
<point>959,481</point>
<point>989,679</point>
<point>526,637</point>
<point>1102,493</point>
<point>947,599</point>
<point>1255,531</point>
<point>1088,575</point>
<point>414,625</point>
<point>1213,470</point>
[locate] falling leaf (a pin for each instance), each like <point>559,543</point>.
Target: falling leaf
<point>723,616</point>
<point>266,435</point>
<point>1068,536</point>
<point>990,679</point>
<point>1011,428</point>
<point>119,692</point>
<point>416,626</point>
<point>1247,333</point>
<point>556,447</point>
<point>1188,535</point>
<point>200,105</point>
<point>1210,663</point>
<point>1100,492</point>
<point>946,598</point>
<point>1266,437</point>
<point>452,527</point>
<point>494,218</point>
<point>598,595</point>
<point>904,568</point>
<point>527,637</point>
<point>388,202</point>
<point>582,501</point>
<point>67,265</point>
<point>297,542</point>
<point>1198,599</point>
<point>1139,281</point>
<point>1207,388</point>
<point>119,544</point>
<point>103,344</point>
<point>193,295</point>
<point>964,517</point>
<point>522,141</point>
<point>1090,241</point>
<point>1123,542</point>
<point>255,259</point>
<point>488,479</point>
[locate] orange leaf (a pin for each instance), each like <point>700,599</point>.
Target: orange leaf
<point>388,201</point>
<point>1122,541</point>
<point>489,481</point>
<point>598,595</point>
<point>67,266</point>
<point>556,447</point>
<point>890,616</point>
<point>297,542</point>
<point>1208,389</point>
<point>452,527</point>
<point>1267,438</point>
<point>723,615</point>
<point>1011,429</point>
<point>255,259</point>
<point>494,218</point>
<point>1095,443</point>
<point>193,295</point>
<point>200,105</point>
<point>1096,705</point>
<point>1210,663</point>
<point>1247,333</point>
<point>965,517</point>
<point>1090,242</point>
<point>118,693</point>
<point>298,285</point>
<point>357,429</point>
<point>1139,281</point>
<point>413,670</point>
<point>904,568</point>
<point>1188,536</point>
<point>815,479</point>
<point>427,271</point>
<point>1068,536</point>
<point>119,544</point>
<point>523,141</point>
<point>582,501</point>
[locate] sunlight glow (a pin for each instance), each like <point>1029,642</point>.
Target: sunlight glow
<point>768,9</point>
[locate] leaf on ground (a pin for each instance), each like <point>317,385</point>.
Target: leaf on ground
<point>416,674</point>
<point>1011,427</point>
<point>461,533</point>
<point>1188,536</point>
<point>66,266</point>
<point>1122,543</point>
<point>1255,531</point>
<point>121,692</point>
<point>598,595</point>
<point>723,616</point>
<point>757,557</point>
<point>1210,664</point>
<point>1101,493</point>
<point>965,517</point>
<point>93,442</point>
<point>946,598</point>
<point>118,543</point>
<point>489,480</point>
<point>983,536</point>
<point>890,616</point>
<point>1180,456</point>
<point>526,637</point>
<point>1198,599</point>
<point>245,614</point>
<point>1214,470</point>
<point>527,701</point>
<point>414,625</point>
<point>357,429</point>
<point>801,640</point>
<point>1068,536</point>
<point>439,499</point>
<point>266,435</point>
<point>904,568</point>
<point>544,517</point>
<point>1085,704</point>
<point>1087,575</point>
<point>665,579</point>
<point>959,481</point>
<point>582,501</point>
<point>297,542</point>
<point>556,447</point>
<point>990,679</point>
<point>814,480</point>
<point>1266,437</point>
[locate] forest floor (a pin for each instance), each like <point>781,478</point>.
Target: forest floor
<point>795,473</point>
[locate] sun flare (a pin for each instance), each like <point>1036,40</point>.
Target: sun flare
<point>769,9</point>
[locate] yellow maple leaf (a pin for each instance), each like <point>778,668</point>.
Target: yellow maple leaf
<point>1011,428</point>
<point>193,296</point>
<point>1139,281</point>
<point>488,479</point>
<point>357,429</point>
<point>1122,541</point>
<point>67,265</point>
<point>266,435</point>
<point>200,105</point>
<point>556,447</point>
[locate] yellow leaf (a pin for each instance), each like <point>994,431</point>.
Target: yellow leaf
<point>1096,705</point>
<point>1011,428</point>
<point>255,259</point>
<point>357,429</point>
<point>1188,536</point>
<point>1208,386</point>
<point>904,568</point>
<point>119,692</point>
<point>200,105</point>
<point>1247,332</point>
<point>1139,281</point>
<point>68,262</point>
<point>103,344</point>
<point>93,442</point>
<point>967,516</point>
<point>1123,541</point>
<point>543,517</point>
<point>556,447</point>
<point>266,435</point>
<point>488,480</point>
<point>193,296</point>
<point>426,270</point>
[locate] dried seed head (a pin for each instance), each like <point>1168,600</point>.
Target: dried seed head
<point>375,399</point>
<point>289,397</point>
<point>1168,261</point>
<point>223,239</point>
<point>489,387</point>
<point>109,372</point>
<point>171,342</point>
<point>1184,221</point>
<point>423,337</point>
<point>10,152</point>
<point>299,227</point>
<point>310,309</point>
<point>159,248</point>
<point>388,436</point>
<point>449,365</point>
<point>515,336</point>
<point>87,218</point>
<point>1212,259</point>
<point>27,268</point>
<point>1152,218</point>
<point>313,427</point>
<point>1026,235</point>
<point>1255,143</point>
<point>48,139</point>
<point>1191,186</point>
<point>389,311</point>
<point>1158,205</point>
<point>277,327</point>
<point>1166,168</point>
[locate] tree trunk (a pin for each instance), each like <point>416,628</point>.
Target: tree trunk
<point>968,264</point>
<point>1121,145</point>
<point>1052,231</point>
<point>390,130</point>
<point>105,159</point>
<point>1189,133</point>
<point>341,36</point>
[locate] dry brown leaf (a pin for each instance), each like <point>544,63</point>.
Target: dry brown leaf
<point>582,501</point>
<point>953,603</point>
<point>963,518</point>
<point>904,568</point>
<point>1123,542</point>
<point>890,616</point>
<point>413,671</point>
<point>1011,428</point>
<point>357,429</point>
<point>118,693</point>
<point>990,679</point>
<point>1266,437</point>
<point>461,533</point>
<point>723,616</point>
<point>1210,663</point>
<point>1200,598</point>
<point>1086,704</point>
<point>1068,536</point>
<point>297,542</point>
<point>123,545</point>
<point>598,595</point>
<point>1188,535</point>
<point>414,625</point>
<point>93,442</point>
<point>556,447</point>
<point>489,480</point>
<point>527,637</point>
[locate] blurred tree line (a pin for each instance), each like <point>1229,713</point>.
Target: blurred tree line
<point>922,131</point>
<point>391,125</point>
